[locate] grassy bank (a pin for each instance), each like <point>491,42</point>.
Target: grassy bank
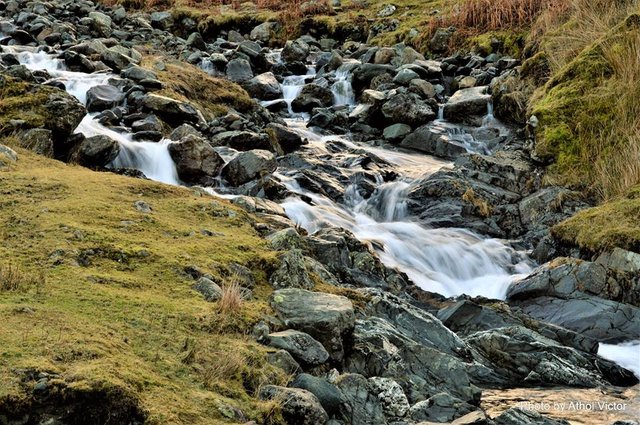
<point>98,295</point>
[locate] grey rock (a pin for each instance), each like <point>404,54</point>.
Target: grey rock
<point>295,51</point>
<point>137,73</point>
<point>142,206</point>
<point>101,23</point>
<point>429,140</point>
<point>386,11</point>
<point>196,41</point>
<point>396,132</point>
<point>440,408</point>
<point>171,111</point>
<point>407,109</point>
<point>264,86</point>
<point>239,70</point>
<point>312,96</point>
<point>162,20</point>
<point>208,288</point>
<point>148,123</point>
<point>517,416</point>
<point>297,406</point>
<point>467,106</point>
<point>249,165</point>
<point>96,151</point>
<point>361,407</point>
<point>287,139</point>
<point>292,272</point>
<point>424,88</point>
<point>405,76</point>
<point>242,140</point>
<point>439,43</point>
<point>196,161</point>
<point>284,361</point>
<point>392,398</point>
<point>302,346</point>
<point>326,317</point>
<point>38,140</point>
<point>264,32</point>
<point>327,393</point>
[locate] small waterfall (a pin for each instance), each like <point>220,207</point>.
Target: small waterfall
<point>291,88</point>
<point>440,112</point>
<point>342,90</point>
<point>626,355</point>
<point>152,159</point>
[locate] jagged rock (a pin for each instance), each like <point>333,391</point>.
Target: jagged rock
<point>38,140</point>
<point>517,416</point>
<point>298,406</point>
<point>64,114</point>
<point>103,97</point>
<point>171,111</point>
<point>326,317</point>
<point>467,106</point>
<point>264,86</point>
<point>196,161</point>
<point>101,23</point>
<point>96,151</point>
<point>361,406</point>
<point>196,41</point>
<point>365,73</point>
<point>392,398</point>
<point>302,346</point>
<point>327,393</point>
<point>405,76</point>
<point>292,272</point>
<point>116,60</point>
<point>249,165</point>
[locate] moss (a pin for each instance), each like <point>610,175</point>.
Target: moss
<point>506,42</point>
<point>212,96</point>
<point>22,101</point>
<point>118,310</point>
<point>612,224</point>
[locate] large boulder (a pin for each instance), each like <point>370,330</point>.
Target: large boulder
<point>96,151</point>
<point>298,406</point>
<point>239,70</point>
<point>427,139</point>
<point>326,317</point>
<point>196,161</point>
<point>264,86</point>
<point>295,51</point>
<point>171,111</point>
<point>287,139</point>
<point>103,97</point>
<point>312,96</point>
<point>242,140</point>
<point>407,109</point>
<point>300,345</point>
<point>292,272</point>
<point>468,106</point>
<point>249,165</point>
<point>264,32</point>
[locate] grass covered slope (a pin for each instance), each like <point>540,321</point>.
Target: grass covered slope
<point>102,308</point>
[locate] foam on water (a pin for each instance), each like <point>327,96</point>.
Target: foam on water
<point>626,355</point>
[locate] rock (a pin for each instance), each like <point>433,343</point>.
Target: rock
<point>298,406</point>
<point>287,139</point>
<point>7,155</point>
<point>300,345</point>
<point>440,408</point>
<point>264,86</point>
<point>406,109</point>
<point>424,88</point>
<point>328,394</point>
<point>38,140</point>
<point>103,97</point>
<point>467,106</point>
<point>264,32</point>
<point>312,96</point>
<point>137,73</point>
<point>295,51</point>
<point>148,123</point>
<point>162,20</point>
<point>196,41</point>
<point>286,239</point>
<point>64,114</point>
<point>171,111</point>
<point>96,151</point>
<point>396,132</point>
<point>577,295</point>
<point>284,361</point>
<point>386,11</point>
<point>249,165</point>
<point>439,43</point>
<point>365,73</point>
<point>517,416</point>
<point>326,317</point>
<point>467,82</point>
<point>183,131</point>
<point>239,70</point>
<point>115,60</point>
<point>427,139</point>
<point>196,161</point>
<point>405,76</point>
<point>361,406</point>
<point>620,260</point>
<point>242,140</point>
<point>208,288</point>
<point>292,272</point>
<point>394,402</point>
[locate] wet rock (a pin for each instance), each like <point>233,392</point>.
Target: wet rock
<point>327,393</point>
<point>300,345</point>
<point>103,97</point>
<point>407,109</point>
<point>239,70</point>
<point>297,406</point>
<point>96,151</point>
<point>517,416</point>
<point>148,123</point>
<point>64,114</point>
<point>365,73</point>
<point>429,140</point>
<point>312,96</point>
<point>264,86</point>
<point>396,132</point>
<point>467,106</point>
<point>288,140</point>
<point>196,161</point>
<point>249,165</point>
<point>292,272</point>
<point>38,140</point>
<point>171,111</point>
<point>324,316</point>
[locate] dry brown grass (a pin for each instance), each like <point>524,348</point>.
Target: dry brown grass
<point>232,297</point>
<point>15,279</point>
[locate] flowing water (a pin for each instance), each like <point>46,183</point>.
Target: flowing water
<point>447,261</point>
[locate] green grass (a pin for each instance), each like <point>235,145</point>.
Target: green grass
<point>117,310</point>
